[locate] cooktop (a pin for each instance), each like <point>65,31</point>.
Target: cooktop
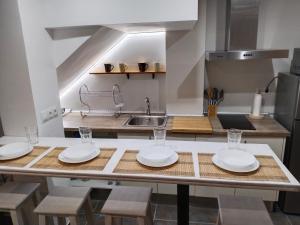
<point>237,121</point>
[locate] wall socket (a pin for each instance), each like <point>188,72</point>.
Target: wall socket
<point>49,114</point>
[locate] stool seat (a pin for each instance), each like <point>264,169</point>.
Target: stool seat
<point>234,210</point>
<point>19,199</point>
<point>128,201</point>
<point>13,194</point>
<point>64,202</point>
<point>53,205</point>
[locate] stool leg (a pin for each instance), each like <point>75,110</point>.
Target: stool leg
<point>74,220</point>
<point>42,220</point>
<point>16,217</point>
<point>37,197</point>
<point>108,220</point>
<point>89,211</point>
<point>31,217</point>
<point>141,221</point>
<point>218,219</point>
<point>149,216</point>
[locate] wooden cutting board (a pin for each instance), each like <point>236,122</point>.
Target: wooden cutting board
<point>191,124</point>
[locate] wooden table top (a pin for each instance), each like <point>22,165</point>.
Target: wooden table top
<point>120,146</point>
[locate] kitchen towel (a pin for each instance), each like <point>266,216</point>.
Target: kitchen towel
<point>257,104</point>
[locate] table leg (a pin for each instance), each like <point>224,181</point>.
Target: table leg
<point>182,204</point>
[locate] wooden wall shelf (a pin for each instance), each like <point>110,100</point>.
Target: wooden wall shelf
<point>130,73</point>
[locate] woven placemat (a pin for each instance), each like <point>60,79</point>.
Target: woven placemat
<point>183,167</point>
<point>269,170</point>
<point>23,161</point>
<point>50,161</point>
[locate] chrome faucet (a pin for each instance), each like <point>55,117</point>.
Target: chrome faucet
<point>148,110</point>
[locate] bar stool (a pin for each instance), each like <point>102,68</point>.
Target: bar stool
<point>236,210</point>
<point>19,199</point>
<point>128,202</point>
<point>65,202</point>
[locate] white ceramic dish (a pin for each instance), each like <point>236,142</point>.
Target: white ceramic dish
<point>157,156</point>
<point>235,161</point>
<point>79,153</point>
<point>14,150</point>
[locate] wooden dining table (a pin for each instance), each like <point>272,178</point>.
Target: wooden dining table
<point>117,162</point>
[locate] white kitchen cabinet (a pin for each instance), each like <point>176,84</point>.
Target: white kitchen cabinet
<point>146,136</point>
<point>181,137</point>
<point>276,144</point>
<point>140,184</point>
<point>266,195</point>
<point>211,192</point>
<point>171,189</point>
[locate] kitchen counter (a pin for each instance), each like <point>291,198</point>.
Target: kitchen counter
<point>266,127</point>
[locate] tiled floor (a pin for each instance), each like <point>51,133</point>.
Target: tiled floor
<point>165,214</point>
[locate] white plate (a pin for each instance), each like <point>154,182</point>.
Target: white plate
<point>14,150</point>
<point>79,153</point>
<point>235,161</point>
<point>157,156</point>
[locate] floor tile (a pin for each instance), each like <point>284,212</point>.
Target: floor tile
<point>166,212</point>
<point>207,215</point>
<point>295,220</point>
<point>171,222</point>
<point>279,218</point>
<point>169,212</point>
<point>164,222</point>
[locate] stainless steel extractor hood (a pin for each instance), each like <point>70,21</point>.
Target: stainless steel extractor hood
<point>239,41</point>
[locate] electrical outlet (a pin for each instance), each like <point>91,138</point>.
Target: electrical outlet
<point>49,114</point>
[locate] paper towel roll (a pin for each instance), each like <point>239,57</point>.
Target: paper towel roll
<point>257,104</point>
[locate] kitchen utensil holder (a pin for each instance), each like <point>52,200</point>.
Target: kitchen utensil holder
<point>115,94</point>
<point>212,110</point>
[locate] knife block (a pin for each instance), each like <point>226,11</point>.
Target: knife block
<point>212,110</point>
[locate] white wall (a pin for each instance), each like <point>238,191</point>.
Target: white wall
<point>16,101</point>
<point>144,47</point>
<point>42,71</point>
<point>185,67</point>
<point>278,28</point>
<point>92,12</point>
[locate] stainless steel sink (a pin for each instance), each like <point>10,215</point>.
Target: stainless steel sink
<point>146,121</point>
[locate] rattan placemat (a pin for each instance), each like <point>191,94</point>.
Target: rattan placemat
<point>50,161</point>
<point>269,170</point>
<point>23,161</point>
<point>183,167</point>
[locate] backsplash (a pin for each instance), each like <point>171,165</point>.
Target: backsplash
<point>240,80</point>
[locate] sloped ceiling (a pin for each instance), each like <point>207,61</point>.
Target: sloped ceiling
<point>86,55</point>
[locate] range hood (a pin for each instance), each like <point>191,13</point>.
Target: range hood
<point>240,28</point>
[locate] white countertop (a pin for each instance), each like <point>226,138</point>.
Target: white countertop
<point>124,144</point>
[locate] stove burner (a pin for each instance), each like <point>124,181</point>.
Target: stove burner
<point>236,121</point>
